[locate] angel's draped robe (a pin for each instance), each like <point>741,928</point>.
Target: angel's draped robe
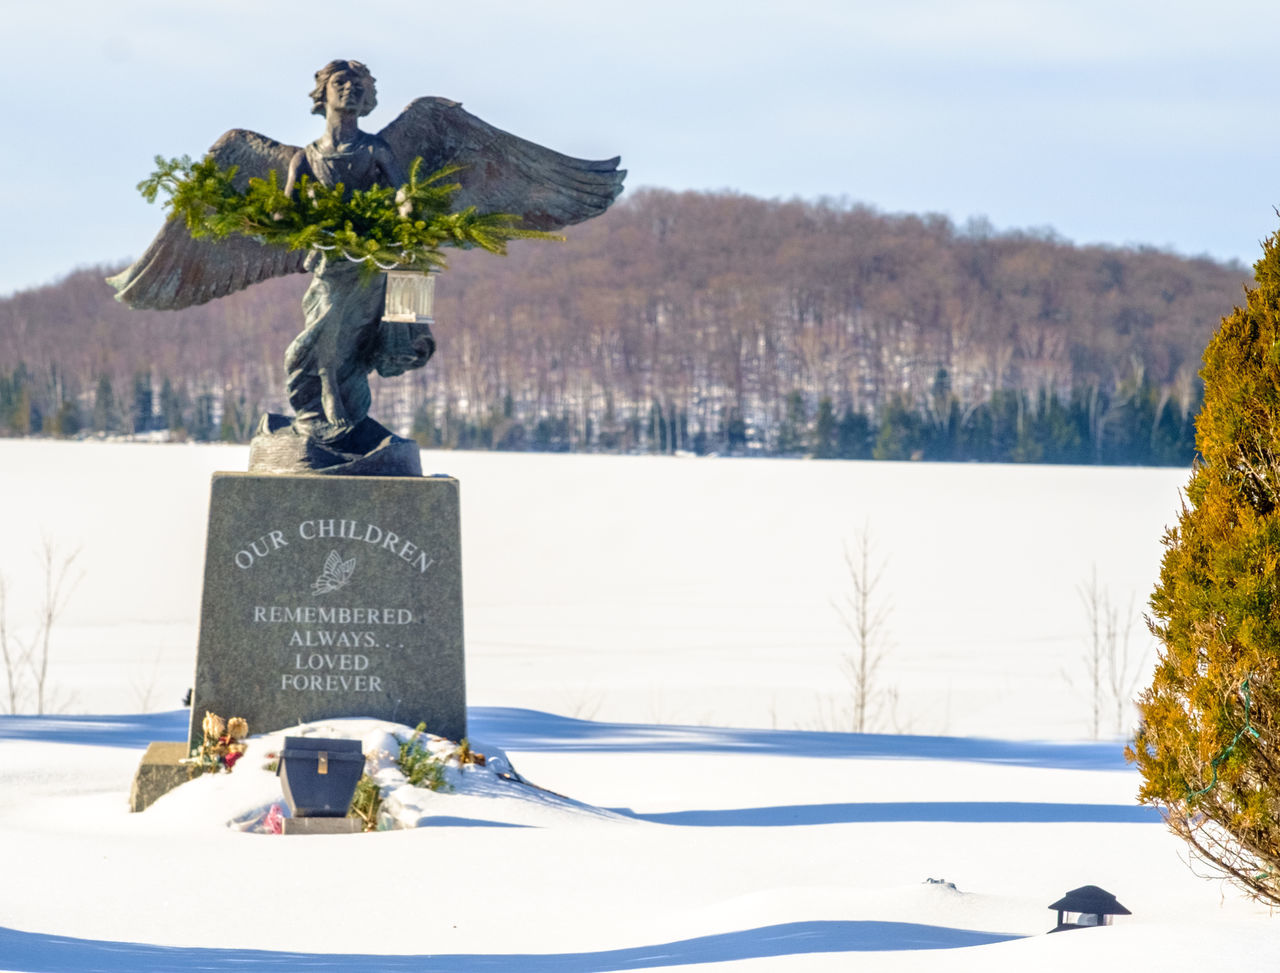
<point>342,310</point>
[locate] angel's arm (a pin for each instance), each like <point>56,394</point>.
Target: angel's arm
<point>392,174</point>
<point>298,167</point>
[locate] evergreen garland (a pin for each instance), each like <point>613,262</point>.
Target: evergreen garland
<point>383,227</point>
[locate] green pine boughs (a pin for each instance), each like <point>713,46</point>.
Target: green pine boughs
<point>383,227</point>
<point>419,765</point>
<point>1206,743</point>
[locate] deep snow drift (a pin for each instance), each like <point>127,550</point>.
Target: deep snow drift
<point>680,846</point>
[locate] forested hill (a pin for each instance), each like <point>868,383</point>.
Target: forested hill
<point>708,322</point>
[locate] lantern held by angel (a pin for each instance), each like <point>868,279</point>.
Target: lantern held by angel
<point>345,336</point>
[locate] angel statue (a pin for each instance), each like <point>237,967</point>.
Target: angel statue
<point>344,337</point>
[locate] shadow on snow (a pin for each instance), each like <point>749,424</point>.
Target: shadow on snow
<point>530,730</point>
<point>950,812</point>
<point>135,731</point>
<point>40,952</point>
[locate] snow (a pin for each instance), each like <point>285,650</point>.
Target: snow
<point>650,589</point>
<point>651,641</point>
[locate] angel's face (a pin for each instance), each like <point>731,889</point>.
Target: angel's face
<point>345,92</point>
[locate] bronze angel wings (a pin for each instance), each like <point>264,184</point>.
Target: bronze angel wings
<point>501,173</point>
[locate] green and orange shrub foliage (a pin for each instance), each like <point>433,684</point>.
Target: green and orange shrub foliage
<point>1206,746</point>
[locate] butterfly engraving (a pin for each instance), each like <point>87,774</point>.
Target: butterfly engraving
<point>335,575</point>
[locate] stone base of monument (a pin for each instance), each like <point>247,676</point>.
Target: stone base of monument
<point>159,772</point>
<point>370,449</point>
<point>330,597</point>
<point>321,826</point>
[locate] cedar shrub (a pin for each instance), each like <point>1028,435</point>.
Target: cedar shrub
<point>1205,745</point>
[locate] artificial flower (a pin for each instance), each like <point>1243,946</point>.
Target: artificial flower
<point>213,726</point>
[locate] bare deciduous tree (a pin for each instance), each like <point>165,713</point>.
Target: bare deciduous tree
<point>144,691</point>
<point>864,611</point>
<point>59,583</point>
<point>15,654</point>
<point>1111,667</point>
<point>719,307</point>
<point>28,660</point>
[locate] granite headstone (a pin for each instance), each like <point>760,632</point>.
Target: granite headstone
<point>330,597</point>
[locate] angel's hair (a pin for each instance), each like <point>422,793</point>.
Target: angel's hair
<point>344,67</point>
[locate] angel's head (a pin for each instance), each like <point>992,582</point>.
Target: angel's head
<point>354,71</point>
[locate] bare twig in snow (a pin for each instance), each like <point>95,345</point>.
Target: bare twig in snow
<point>864,611</point>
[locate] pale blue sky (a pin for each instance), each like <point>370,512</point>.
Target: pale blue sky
<point>1114,122</point>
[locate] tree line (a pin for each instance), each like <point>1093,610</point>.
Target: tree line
<point>700,322</point>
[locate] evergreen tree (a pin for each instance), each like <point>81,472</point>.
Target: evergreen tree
<point>66,422</point>
<point>424,429</point>
<point>202,425</point>
<point>793,430</point>
<point>1006,408</point>
<point>237,419</point>
<point>105,412</point>
<point>509,435</point>
<point>551,434</point>
<point>1206,746</point>
<point>735,432</point>
<point>1061,431</point>
<point>854,436</point>
<point>143,402</point>
<point>657,429</point>
<point>899,437</point>
<point>15,402</point>
<point>825,431</point>
<point>1028,446</point>
<point>23,412</point>
<point>1173,438</point>
<point>171,411</point>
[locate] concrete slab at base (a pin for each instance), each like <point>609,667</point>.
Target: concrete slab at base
<point>322,826</point>
<point>159,773</point>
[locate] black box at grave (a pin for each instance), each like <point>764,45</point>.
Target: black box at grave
<point>330,597</point>
<point>319,776</point>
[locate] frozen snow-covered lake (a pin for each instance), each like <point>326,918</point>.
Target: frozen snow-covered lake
<point>650,589</point>
<point>654,639</point>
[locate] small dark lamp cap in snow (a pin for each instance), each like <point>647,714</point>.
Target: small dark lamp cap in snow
<point>1091,904</point>
<point>1091,899</point>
